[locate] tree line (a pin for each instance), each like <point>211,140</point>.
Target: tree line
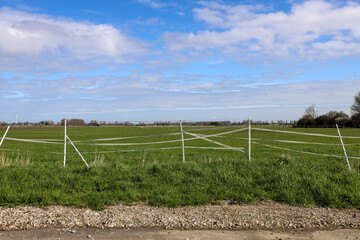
<point>311,118</point>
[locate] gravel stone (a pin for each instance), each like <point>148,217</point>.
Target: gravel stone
<point>227,216</point>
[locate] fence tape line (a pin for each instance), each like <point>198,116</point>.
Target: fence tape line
<point>169,134</point>
<point>133,150</point>
<point>221,144</point>
<point>122,138</point>
<point>83,142</point>
<point>292,150</point>
<point>118,151</point>
<point>297,142</point>
<point>144,143</point>
<point>30,151</point>
<point>104,144</point>
<point>214,148</point>
<point>31,140</point>
<point>98,144</point>
<point>50,140</point>
<point>213,128</point>
<point>223,133</point>
<point>302,133</point>
<point>132,144</point>
<point>92,140</point>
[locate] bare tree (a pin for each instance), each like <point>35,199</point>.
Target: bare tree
<point>310,112</point>
<point>355,108</point>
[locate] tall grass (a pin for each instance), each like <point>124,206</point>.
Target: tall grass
<point>18,159</point>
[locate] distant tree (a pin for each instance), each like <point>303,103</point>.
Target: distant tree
<point>47,123</point>
<point>94,123</point>
<point>344,121</point>
<point>331,118</point>
<point>355,108</point>
<point>310,112</point>
<point>355,120</point>
<point>306,120</point>
<point>323,120</point>
<point>76,122</point>
<point>335,114</point>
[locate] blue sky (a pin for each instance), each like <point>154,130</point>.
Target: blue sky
<point>146,60</point>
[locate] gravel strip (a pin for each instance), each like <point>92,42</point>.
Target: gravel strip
<point>261,215</point>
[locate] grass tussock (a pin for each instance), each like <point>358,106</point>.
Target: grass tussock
<point>14,160</point>
<point>98,160</point>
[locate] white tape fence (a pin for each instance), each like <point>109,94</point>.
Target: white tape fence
<point>102,142</point>
<point>191,136</point>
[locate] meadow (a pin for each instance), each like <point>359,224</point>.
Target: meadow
<point>130,169</point>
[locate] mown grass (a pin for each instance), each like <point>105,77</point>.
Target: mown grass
<point>161,179</point>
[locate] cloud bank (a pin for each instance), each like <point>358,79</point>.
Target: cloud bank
<point>58,43</point>
<point>313,30</point>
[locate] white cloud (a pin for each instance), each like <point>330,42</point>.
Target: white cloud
<point>154,3</point>
<point>200,91</point>
<point>180,13</point>
<point>198,95</point>
<point>311,30</point>
<point>27,38</point>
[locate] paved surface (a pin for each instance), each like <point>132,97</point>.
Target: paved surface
<point>152,234</point>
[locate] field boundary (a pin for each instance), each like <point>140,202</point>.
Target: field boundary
<point>193,136</point>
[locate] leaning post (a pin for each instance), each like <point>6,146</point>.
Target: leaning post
<point>347,159</point>
<point>4,135</point>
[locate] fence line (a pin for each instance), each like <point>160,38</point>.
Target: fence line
<point>292,150</point>
<point>195,137</point>
<point>301,133</point>
<point>297,142</point>
<point>31,140</point>
<point>60,142</point>
<point>212,128</point>
<point>118,151</point>
<point>220,144</point>
<point>132,137</point>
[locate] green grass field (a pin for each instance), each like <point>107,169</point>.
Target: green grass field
<point>33,173</point>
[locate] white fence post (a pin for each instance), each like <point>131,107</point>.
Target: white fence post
<point>4,135</point>
<point>65,144</point>
<point>182,139</point>
<point>347,160</point>
<point>249,137</point>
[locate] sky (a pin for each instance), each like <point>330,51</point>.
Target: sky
<point>157,60</point>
